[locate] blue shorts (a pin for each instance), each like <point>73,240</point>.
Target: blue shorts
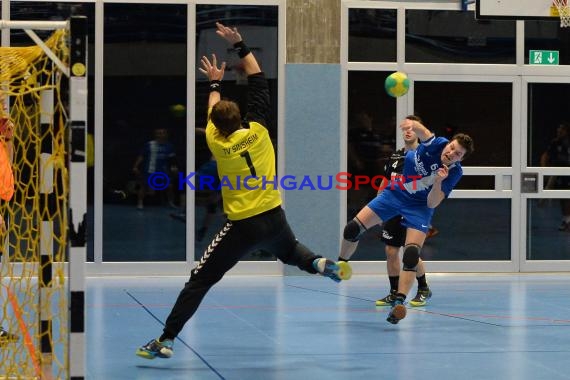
<point>392,203</point>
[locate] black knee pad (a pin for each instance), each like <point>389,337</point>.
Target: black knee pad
<point>353,230</point>
<point>411,257</point>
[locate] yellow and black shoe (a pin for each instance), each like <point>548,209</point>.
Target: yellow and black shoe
<point>421,298</point>
<point>388,300</point>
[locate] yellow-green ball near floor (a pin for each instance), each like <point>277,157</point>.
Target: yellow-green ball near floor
<point>397,84</point>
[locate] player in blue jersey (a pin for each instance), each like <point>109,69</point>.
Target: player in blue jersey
<point>394,233</point>
<point>430,174</point>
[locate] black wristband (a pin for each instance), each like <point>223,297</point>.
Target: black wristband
<point>241,49</point>
<point>342,259</point>
<point>216,85</point>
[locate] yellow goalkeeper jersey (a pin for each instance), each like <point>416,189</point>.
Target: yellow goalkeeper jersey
<point>246,167</point>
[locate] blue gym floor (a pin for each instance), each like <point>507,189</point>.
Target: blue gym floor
<point>476,326</point>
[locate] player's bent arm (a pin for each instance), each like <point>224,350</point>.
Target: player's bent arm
<point>421,131</point>
<point>435,196</point>
<point>250,65</point>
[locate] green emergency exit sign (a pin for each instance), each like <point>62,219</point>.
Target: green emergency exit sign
<point>543,57</point>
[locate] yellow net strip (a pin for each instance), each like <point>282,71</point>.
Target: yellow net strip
<point>37,223</point>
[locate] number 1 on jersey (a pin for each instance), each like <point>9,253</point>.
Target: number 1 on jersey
<point>249,163</point>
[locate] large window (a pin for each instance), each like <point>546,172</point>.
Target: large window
<point>144,84</point>
<point>547,35</point>
<point>372,35</point>
<point>438,36</point>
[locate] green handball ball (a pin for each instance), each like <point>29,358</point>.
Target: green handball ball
<point>397,84</point>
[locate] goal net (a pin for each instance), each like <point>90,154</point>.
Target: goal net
<point>37,268</point>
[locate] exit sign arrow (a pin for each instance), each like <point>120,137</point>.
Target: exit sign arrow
<point>543,57</point>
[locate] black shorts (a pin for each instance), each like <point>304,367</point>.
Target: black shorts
<point>393,233</point>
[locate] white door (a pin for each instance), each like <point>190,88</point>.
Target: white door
<point>479,228</point>
<point>545,241</point>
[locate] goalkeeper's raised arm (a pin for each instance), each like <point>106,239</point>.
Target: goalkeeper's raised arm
<point>258,99</point>
<point>215,74</point>
<point>249,62</point>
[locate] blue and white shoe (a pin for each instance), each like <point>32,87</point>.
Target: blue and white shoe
<point>156,349</point>
<point>337,272</point>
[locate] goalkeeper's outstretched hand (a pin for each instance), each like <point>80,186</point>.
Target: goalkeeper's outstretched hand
<point>229,34</point>
<point>211,70</point>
